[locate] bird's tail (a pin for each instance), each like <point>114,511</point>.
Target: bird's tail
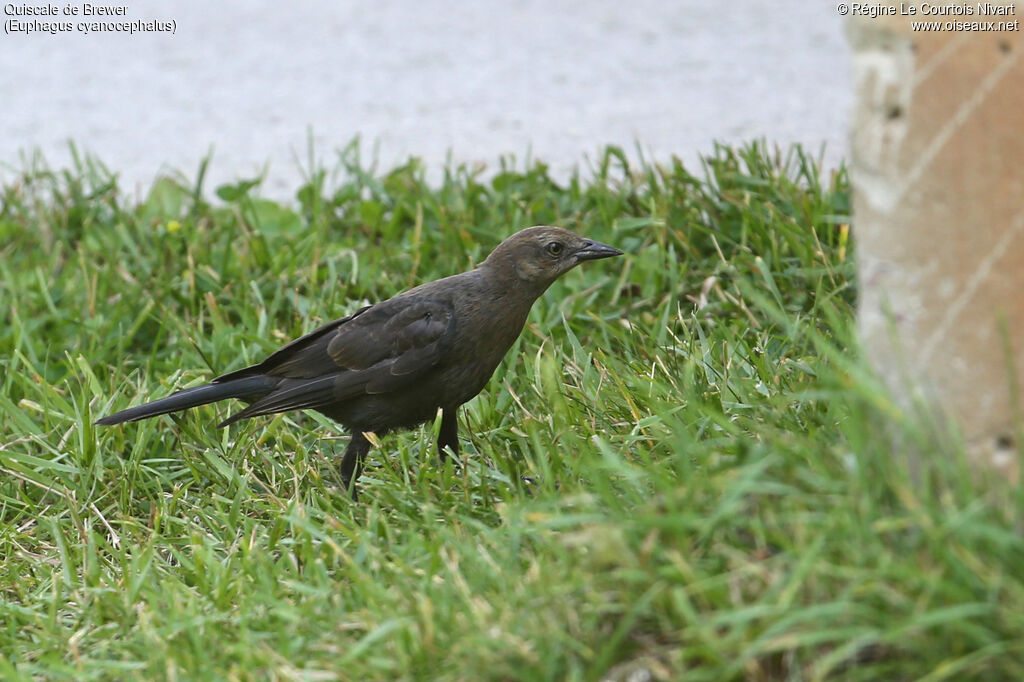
<point>245,387</point>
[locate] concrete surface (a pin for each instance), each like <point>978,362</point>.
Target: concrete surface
<point>939,215</point>
<point>551,77</point>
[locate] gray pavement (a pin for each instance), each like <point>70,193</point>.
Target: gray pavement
<point>552,78</point>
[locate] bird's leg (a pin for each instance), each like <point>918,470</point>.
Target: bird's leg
<point>449,435</point>
<point>352,462</point>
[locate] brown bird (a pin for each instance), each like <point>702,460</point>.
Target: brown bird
<point>392,365</point>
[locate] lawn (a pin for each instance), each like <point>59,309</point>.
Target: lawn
<point>682,470</point>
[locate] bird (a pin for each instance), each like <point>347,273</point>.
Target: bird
<point>394,364</point>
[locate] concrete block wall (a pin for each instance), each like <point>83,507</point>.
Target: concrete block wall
<point>937,164</point>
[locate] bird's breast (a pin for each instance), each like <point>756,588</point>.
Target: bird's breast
<point>477,352</point>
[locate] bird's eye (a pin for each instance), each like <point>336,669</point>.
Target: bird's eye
<point>555,248</point>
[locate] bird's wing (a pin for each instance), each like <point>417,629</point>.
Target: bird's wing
<point>383,349</point>
<point>303,353</point>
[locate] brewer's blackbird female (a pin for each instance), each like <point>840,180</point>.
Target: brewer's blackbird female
<point>392,365</point>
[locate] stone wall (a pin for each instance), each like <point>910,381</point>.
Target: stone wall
<point>937,164</point>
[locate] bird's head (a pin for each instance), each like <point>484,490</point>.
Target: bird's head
<point>539,255</point>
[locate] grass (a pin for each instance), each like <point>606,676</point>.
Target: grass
<point>683,469</point>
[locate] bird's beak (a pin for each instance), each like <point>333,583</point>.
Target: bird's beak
<point>593,250</point>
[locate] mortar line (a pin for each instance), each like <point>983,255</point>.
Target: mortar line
<point>938,58</point>
<point>954,124</point>
<point>970,289</point>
